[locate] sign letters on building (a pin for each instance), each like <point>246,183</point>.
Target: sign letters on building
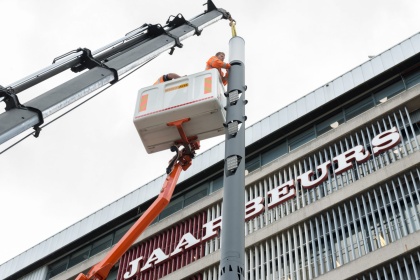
<point>343,162</point>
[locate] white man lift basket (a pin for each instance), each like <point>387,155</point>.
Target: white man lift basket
<point>198,97</point>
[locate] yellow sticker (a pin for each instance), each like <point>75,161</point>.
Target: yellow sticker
<point>176,87</point>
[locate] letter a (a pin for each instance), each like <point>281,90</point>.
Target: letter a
<point>156,257</point>
<point>187,241</point>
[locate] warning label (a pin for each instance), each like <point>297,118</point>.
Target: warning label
<point>176,87</point>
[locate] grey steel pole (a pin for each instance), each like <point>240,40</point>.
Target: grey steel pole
<point>233,210</point>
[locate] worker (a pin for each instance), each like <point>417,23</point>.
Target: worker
<point>217,63</point>
<point>167,77</point>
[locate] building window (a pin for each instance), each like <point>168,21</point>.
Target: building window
<point>274,153</point>
<point>196,194</point>
<point>330,123</point>
<point>101,244</point>
<point>302,138</point>
<point>172,207</point>
<point>388,92</point>
<point>412,79</point>
<point>79,256</point>
<point>57,268</point>
<point>216,184</point>
<point>120,232</point>
<point>358,108</point>
<point>253,164</point>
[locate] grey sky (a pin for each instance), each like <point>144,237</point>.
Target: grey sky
<point>93,156</point>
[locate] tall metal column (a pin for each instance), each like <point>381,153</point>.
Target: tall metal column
<point>232,263</point>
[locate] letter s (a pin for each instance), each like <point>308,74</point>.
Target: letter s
<point>385,141</point>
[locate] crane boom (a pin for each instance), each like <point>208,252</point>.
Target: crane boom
<point>101,269</point>
<point>105,65</point>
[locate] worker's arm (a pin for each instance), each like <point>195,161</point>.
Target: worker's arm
<point>225,78</point>
<point>214,62</point>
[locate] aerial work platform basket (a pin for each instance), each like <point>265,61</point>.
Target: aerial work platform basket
<point>199,98</point>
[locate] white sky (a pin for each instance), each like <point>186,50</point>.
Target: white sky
<point>93,156</point>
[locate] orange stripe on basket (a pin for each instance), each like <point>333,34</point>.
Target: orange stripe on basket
<point>143,102</point>
<point>207,85</point>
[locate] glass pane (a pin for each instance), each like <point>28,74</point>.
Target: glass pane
<point>101,244</point>
<point>120,232</point>
<point>388,92</point>
<point>329,123</point>
<point>196,194</point>
<point>273,153</point>
<point>57,268</point>
<point>217,184</point>
<point>195,197</point>
<point>359,108</point>
<point>252,164</point>
<point>412,79</point>
<point>301,138</point>
<point>79,256</point>
<point>173,207</point>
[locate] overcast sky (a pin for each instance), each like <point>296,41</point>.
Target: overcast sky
<point>93,156</point>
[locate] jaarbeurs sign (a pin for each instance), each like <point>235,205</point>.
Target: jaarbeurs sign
<point>343,162</point>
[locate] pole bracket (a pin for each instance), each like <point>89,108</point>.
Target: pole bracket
<point>89,62</point>
<point>176,21</point>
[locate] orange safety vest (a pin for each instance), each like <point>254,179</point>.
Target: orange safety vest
<point>215,62</point>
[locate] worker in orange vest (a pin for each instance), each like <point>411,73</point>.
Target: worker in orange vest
<point>167,77</point>
<point>217,62</point>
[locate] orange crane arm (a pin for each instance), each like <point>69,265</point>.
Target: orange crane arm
<point>101,270</point>
<point>180,162</point>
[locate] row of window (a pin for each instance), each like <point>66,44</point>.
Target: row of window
<point>281,148</point>
<point>87,251</point>
<point>333,120</point>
